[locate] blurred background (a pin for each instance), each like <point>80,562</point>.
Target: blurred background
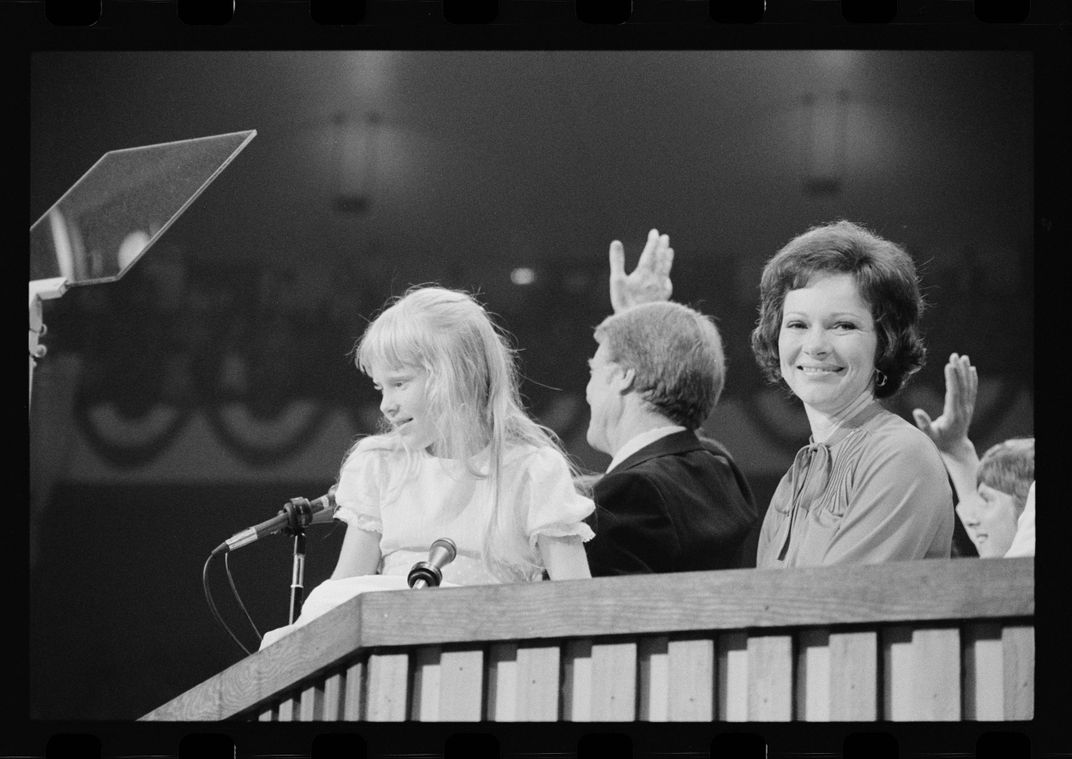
<point>194,396</point>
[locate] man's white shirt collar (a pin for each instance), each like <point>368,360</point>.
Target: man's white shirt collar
<point>635,443</point>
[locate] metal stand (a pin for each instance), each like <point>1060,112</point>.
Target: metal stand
<point>299,514</point>
<point>297,577</point>
<point>41,290</point>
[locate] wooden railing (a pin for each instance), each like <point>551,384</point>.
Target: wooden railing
<point>922,640</point>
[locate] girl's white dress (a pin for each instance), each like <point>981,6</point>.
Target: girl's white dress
<point>412,499</point>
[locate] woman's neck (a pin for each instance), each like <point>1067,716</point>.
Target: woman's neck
<point>824,424</point>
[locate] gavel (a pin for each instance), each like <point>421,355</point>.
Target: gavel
<point>428,574</point>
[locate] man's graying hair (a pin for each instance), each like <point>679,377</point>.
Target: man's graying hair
<point>676,354</point>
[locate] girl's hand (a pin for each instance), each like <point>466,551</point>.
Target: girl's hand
<point>649,282</point>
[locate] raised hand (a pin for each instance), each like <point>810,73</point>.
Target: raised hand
<point>649,281</point>
<point>950,430</point>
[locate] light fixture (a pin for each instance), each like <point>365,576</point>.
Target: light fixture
<point>356,145</point>
<point>825,133</point>
<point>523,275</point>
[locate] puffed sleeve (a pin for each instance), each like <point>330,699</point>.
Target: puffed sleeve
<point>555,508</point>
<point>359,493</point>
<point>901,507</point>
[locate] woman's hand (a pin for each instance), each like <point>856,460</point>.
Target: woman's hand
<point>649,282</point>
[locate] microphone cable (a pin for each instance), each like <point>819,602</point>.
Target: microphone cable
<point>238,598</point>
<point>234,589</point>
<point>215,611</point>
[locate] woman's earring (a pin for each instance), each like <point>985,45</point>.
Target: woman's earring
<point>880,378</point>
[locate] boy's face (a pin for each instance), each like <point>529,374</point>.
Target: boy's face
<point>989,516</point>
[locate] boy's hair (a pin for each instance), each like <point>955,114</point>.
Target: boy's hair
<point>1009,467</point>
<point>473,394</point>
<point>676,354</point>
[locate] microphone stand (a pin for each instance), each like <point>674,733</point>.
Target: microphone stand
<point>297,575</point>
<point>298,515</point>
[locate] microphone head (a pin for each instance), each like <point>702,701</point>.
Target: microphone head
<point>446,545</point>
<point>442,552</point>
<point>427,573</point>
<point>324,508</point>
<point>325,502</point>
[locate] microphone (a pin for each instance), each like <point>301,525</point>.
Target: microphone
<point>427,573</point>
<point>295,514</point>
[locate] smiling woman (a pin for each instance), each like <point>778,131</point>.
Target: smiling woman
<point>826,347</point>
<point>839,323</point>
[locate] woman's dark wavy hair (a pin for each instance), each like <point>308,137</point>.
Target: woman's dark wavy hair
<point>885,276</point>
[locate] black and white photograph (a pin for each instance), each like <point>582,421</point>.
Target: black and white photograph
<point>544,385</point>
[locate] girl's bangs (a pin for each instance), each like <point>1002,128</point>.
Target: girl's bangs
<point>390,342</point>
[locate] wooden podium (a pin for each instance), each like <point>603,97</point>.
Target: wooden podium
<point>938,640</point>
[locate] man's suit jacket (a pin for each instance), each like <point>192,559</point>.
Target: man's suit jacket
<point>679,504</point>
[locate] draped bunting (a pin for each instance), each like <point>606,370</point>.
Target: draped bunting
<point>265,365</point>
<point>130,436</point>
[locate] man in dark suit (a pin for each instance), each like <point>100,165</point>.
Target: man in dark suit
<point>670,500</point>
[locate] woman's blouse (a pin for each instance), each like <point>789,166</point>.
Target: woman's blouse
<point>876,491</point>
<point>412,499</point>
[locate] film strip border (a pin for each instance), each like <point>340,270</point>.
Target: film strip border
<point>211,13</point>
<point>469,742</point>
<point>569,742</point>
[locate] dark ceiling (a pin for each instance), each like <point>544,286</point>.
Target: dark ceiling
<point>492,160</point>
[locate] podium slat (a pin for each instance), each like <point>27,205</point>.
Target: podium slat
<point>311,703</point>
<point>288,709</point>
<point>614,676</point>
<point>388,683</point>
<point>653,668</point>
<point>425,695</point>
<point>937,673</point>
<point>332,705</point>
<point>577,684</point>
<point>733,677</point>
<point>461,685</point>
<point>353,694</point>
<point>692,679</point>
<point>922,669</point>
<point>502,695</point>
<point>984,675</point>
<point>813,675</point>
<point>538,683</point>
<point>770,678</point>
<point>1018,647</point>
<point>854,677</point>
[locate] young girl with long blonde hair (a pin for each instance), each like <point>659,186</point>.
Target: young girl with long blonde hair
<point>457,458</point>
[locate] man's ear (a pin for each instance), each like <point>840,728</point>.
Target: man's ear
<point>624,379</point>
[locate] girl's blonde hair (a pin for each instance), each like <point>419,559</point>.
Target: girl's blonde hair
<point>473,397</point>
